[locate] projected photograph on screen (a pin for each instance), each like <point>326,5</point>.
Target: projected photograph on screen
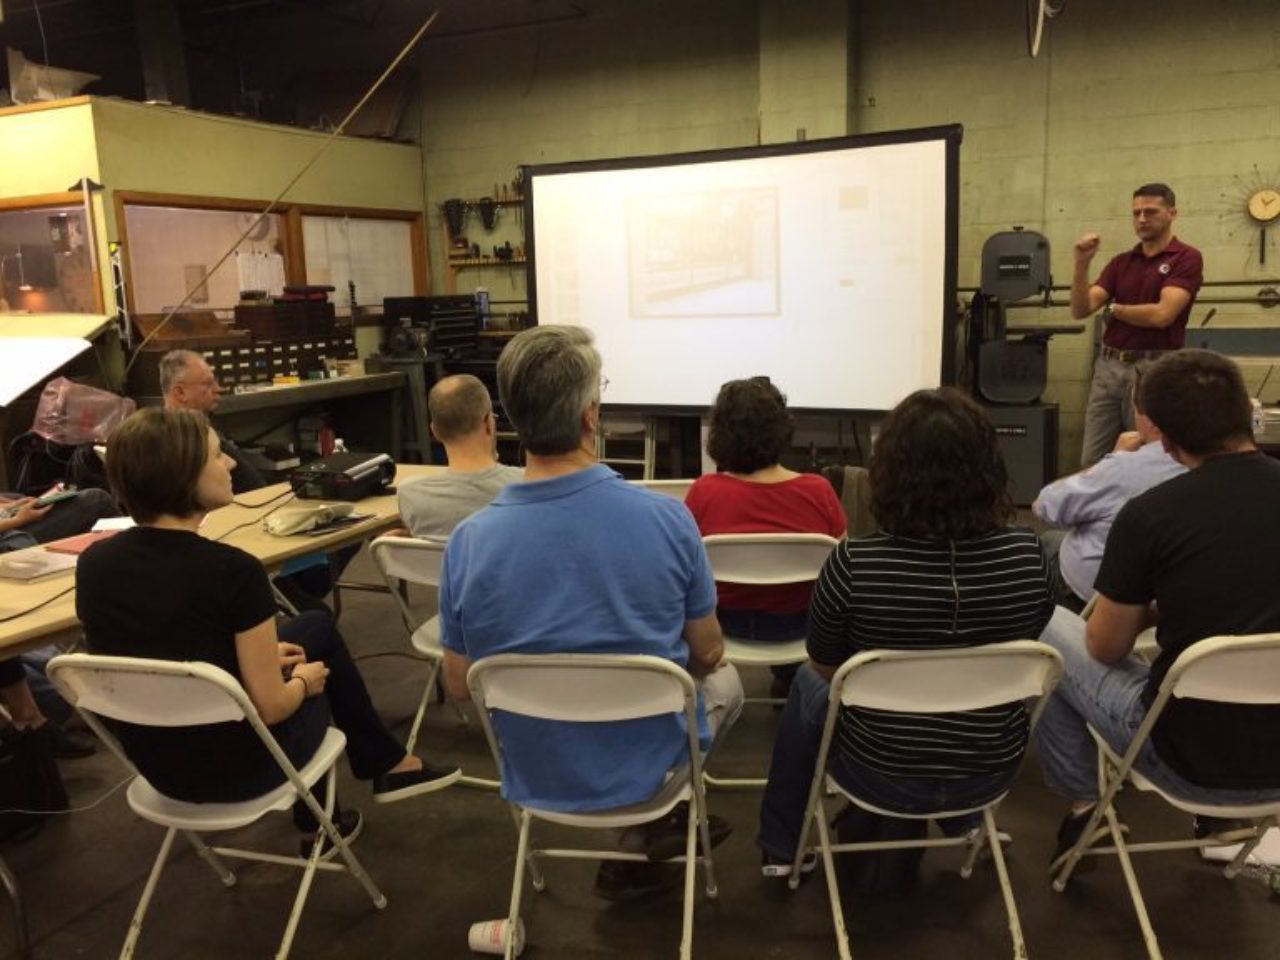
<point>827,265</point>
<point>704,254</point>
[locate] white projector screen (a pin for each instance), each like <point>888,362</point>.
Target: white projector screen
<point>827,265</point>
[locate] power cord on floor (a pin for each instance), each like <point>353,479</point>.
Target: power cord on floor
<point>86,807</point>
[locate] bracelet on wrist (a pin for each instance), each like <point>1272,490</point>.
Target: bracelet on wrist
<point>306,687</point>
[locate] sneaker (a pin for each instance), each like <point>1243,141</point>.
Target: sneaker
<point>666,839</point>
<point>775,868</point>
<point>1069,832</point>
<point>1226,829</point>
<point>390,787</point>
<point>621,881</point>
<point>350,824</point>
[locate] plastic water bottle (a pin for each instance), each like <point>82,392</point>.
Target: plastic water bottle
<point>482,306</point>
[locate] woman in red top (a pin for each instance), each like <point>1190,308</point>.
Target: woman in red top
<point>754,493</point>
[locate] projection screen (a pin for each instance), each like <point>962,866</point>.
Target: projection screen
<point>827,265</point>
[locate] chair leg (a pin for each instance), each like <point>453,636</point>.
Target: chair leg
<point>975,848</point>
<point>325,818</point>
<point>690,876</point>
<point>1006,888</point>
<point>833,886</point>
<point>1232,869</point>
<point>10,883</point>
<point>428,689</point>
<point>208,856</point>
<point>135,925</point>
<point>1131,880</point>
<point>300,898</point>
<point>713,890</point>
<point>517,884</point>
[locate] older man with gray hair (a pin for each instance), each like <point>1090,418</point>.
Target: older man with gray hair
<point>576,560</point>
<point>187,382</point>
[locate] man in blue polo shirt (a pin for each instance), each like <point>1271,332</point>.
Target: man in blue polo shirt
<point>576,560</point>
<point>1149,291</point>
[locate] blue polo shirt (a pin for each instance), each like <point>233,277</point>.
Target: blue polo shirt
<point>585,563</point>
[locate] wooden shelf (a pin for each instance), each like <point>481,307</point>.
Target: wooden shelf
<point>485,262</point>
<point>510,202</point>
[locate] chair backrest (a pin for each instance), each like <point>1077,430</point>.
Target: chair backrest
<point>675,489</point>
<point>947,681</point>
<point>762,559</point>
<point>409,558</point>
<point>580,687</point>
<point>153,693</point>
<point>1242,669</point>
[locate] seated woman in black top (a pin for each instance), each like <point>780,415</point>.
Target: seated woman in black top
<point>162,590</point>
<point>944,570</point>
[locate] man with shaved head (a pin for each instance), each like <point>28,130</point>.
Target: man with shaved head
<point>461,414</point>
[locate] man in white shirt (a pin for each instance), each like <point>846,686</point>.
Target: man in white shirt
<point>1085,504</point>
<point>461,414</point>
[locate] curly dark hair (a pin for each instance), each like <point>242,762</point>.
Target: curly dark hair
<point>936,471</point>
<point>750,426</point>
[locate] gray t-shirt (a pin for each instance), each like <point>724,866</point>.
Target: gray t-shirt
<point>433,506</point>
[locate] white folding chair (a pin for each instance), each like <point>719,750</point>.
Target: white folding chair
<point>1238,670</point>
<point>764,559</point>
<point>403,560</point>
<point>597,688</point>
<point>933,682</point>
<point>166,693</point>
<point>675,489</point>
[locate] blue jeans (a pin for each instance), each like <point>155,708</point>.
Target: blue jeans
<point>795,757</point>
<point>1108,697</point>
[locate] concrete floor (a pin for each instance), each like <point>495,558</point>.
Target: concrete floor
<point>445,861</point>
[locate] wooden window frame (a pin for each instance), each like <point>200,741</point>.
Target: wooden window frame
<point>295,269</point>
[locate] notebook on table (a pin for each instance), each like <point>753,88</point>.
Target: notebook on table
<point>78,544</point>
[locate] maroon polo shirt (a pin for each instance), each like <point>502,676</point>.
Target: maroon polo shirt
<point>1132,277</point>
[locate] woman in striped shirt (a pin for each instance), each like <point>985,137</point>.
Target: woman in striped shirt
<point>944,570</point>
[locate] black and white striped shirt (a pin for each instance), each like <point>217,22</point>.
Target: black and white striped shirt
<point>888,592</point>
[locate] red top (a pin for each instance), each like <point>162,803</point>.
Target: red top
<point>1132,277</point>
<point>725,504</point>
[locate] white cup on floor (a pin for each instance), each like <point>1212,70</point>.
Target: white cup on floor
<point>490,936</point>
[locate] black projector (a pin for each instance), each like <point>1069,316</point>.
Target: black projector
<point>344,476</point>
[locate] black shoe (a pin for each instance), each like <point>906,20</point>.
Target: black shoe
<point>350,823</point>
<point>666,839</point>
<point>1069,832</point>
<point>1226,829</point>
<point>71,744</point>
<point>623,880</point>
<point>776,868</point>
<point>391,787</point>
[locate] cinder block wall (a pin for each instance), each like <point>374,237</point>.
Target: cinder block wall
<point>1183,91</point>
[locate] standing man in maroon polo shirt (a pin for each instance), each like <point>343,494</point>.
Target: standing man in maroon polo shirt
<point>1149,291</point>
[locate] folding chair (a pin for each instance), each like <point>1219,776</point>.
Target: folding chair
<point>165,693</point>
<point>597,688</point>
<point>764,559</point>
<point>1239,670</point>
<point>403,560</point>
<point>21,935</point>
<point>934,682</point>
